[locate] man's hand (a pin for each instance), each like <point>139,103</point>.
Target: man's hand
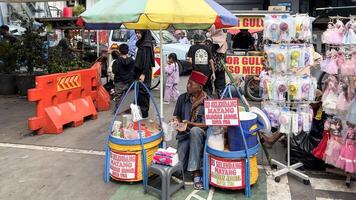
<point>142,78</point>
<point>182,127</point>
<point>213,77</point>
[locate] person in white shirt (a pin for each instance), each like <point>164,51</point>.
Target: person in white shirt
<point>182,38</point>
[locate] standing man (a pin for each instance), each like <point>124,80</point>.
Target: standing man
<point>189,113</point>
<point>199,55</point>
<point>6,35</point>
<point>68,50</point>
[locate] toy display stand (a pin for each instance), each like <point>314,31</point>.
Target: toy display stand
<point>245,154</point>
<point>142,146</point>
<point>285,169</point>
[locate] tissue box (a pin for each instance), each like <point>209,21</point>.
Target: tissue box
<point>166,157</point>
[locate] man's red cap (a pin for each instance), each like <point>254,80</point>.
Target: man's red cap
<point>198,77</point>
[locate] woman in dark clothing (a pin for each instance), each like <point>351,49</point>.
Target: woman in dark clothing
<point>143,67</point>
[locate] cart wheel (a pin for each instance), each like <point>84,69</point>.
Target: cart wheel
<point>348,185</point>
<point>306,182</point>
<point>277,179</point>
<point>273,166</point>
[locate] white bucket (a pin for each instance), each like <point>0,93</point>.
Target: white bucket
<point>216,140</point>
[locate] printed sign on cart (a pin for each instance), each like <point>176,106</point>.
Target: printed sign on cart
<point>244,65</point>
<point>123,166</point>
<point>222,112</point>
<point>226,173</point>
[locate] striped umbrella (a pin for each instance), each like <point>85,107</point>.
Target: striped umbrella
<point>157,14</point>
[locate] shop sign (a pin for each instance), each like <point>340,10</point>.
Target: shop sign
<point>123,166</point>
<point>244,65</point>
<point>222,112</point>
<point>249,23</point>
<point>226,173</point>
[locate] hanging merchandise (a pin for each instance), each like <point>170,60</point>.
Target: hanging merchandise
<point>347,158</point>
<point>319,151</point>
<point>286,28</point>
<point>339,33</point>
<point>303,28</point>
<point>343,101</point>
<point>329,97</point>
<point>276,87</point>
<point>287,95</point>
<point>288,58</point>
<point>333,148</point>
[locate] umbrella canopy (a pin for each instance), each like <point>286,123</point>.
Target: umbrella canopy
<point>156,14</point>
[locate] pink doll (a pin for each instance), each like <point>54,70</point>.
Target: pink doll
<point>347,159</point>
<point>327,34</point>
<point>353,60</point>
<point>332,68</point>
<point>343,102</point>
<point>348,69</point>
<point>337,35</point>
<point>350,35</point>
<point>333,148</point>
<point>331,84</point>
<point>340,58</point>
<point>329,97</point>
<point>324,63</point>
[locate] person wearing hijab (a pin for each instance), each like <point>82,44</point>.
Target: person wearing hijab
<point>144,62</point>
<point>218,49</point>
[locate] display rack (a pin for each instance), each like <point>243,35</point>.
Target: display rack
<point>340,172</point>
<point>290,104</point>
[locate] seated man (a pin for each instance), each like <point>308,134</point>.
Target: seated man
<point>189,113</point>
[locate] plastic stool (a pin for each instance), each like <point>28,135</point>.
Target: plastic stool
<point>165,173</point>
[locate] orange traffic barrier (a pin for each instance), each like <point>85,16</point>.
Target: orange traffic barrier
<point>102,98</point>
<point>66,98</point>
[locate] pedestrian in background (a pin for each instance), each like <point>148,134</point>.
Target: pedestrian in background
<point>199,55</point>
<point>123,69</point>
<point>144,62</point>
<point>171,91</point>
<point>183,38</point>
<point>218,49</point>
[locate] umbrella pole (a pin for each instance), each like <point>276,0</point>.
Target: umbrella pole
<point>161,69</point>
<point>97,44</point>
